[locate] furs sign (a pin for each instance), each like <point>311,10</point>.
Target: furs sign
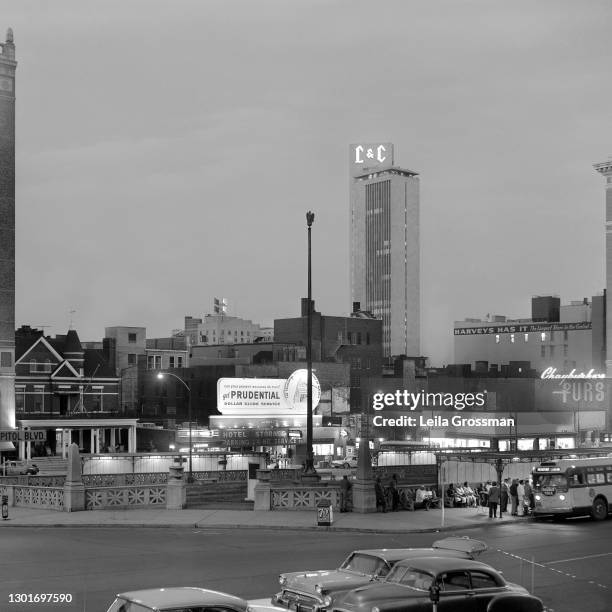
<point>262,396</point>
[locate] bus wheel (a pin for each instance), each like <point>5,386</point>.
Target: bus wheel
<point>599,511</point>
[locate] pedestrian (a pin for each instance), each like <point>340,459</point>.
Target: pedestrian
<point>395,498</point>
<point>514,496</point>
<point>505,494</point>
<point>379,491</point>
<point>345,491</point>
<point>528,497</point>
<point>520,491</point>
<point>493,500</point>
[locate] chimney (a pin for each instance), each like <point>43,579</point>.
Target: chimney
<point>305,307</point>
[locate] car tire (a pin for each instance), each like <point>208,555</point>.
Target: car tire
<point>599,509</point>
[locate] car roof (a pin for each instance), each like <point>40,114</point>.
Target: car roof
<point>444,564</point>
<point>181,596</point>
<point>391,554</point>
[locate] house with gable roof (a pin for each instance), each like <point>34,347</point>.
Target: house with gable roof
<point>71,393</point>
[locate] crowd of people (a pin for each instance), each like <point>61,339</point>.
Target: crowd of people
<point>516,492</point>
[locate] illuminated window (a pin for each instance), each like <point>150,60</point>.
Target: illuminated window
<point>543,336</point>
<point>496,338</point>
<point>526,337</point>
<point>511,337</point>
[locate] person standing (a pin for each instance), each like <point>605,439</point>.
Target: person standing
<point>345,490</point>
<point>514,496</point>
<point>505,494</point>
<point>520,491</point>
<point>379,491</point>
<point>493,500</point>
<point>395,498</point>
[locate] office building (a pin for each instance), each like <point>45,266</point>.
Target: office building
<point>8,66</point>
<point>384,245</point>
<point>605,169</point>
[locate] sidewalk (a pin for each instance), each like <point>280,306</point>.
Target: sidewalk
<point>390,522</point>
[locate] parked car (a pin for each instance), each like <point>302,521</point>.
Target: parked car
<point>347,463</point>
<point>462,585</point>
<point>316,591</point>
<point>13,467</point>
<point>177,599</point>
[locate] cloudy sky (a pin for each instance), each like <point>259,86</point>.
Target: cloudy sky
<point>167,153</point>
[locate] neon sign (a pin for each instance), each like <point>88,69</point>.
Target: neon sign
<point>551,374</point>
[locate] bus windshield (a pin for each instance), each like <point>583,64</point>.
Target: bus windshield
<point>550,480</point>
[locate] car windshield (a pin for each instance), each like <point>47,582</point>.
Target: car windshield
<point>122,605</point>
<point>409,577</point>
<point>365,564</point>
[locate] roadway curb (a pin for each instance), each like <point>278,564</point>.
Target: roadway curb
<point>207,526</point>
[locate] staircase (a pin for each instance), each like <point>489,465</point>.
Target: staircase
<point>218,495</point>
<point>50,465</point>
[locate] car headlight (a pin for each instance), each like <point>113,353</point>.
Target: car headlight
<point>562,497</point>
<point>375,609</point>
<point>538,497</point>
<point>282,580</point>
<point>327,600</point>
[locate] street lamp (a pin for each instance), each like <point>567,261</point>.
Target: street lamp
<point>309,468</point>
<point>161,375</point>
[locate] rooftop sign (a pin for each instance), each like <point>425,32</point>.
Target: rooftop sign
<point>518,328</point>
<point>370,157</point>
<point>260,396</point>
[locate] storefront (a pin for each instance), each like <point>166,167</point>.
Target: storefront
<point>92,436</point>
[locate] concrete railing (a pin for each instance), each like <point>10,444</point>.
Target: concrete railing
<point>99,498</point>
<point>48,498</point>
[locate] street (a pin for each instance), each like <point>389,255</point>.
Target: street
<point>572,570</point>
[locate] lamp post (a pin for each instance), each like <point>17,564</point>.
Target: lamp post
<point>309,468</point>
<point>161,375</point>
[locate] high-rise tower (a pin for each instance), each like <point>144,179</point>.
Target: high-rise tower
<point>605,168</point>
<point>384,242</point>
<point>7,232</point>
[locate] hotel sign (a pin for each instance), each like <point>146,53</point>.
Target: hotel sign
<point>521,328</point>
<point>265,396</point>
<point>255,437</point>
<point>370,157</point>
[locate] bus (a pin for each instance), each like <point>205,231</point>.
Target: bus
<point>573,487</point>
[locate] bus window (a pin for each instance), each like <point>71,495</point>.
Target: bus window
<point>577,480</point>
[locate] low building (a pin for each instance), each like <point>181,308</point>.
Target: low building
<point>564,337</point>
<point>69,392</point>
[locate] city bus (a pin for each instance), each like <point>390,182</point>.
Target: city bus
<point>573,487</point>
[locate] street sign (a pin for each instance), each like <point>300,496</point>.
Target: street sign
<point>25,435</point>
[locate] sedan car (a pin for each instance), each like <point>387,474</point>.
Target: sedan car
<point>20,467</point>
<point>316,591</point>
<point>177,599</point>
<point>461,585</point>
<point>348,463</point>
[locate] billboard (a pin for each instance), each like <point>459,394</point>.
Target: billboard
<point>261,396</point>
<point>370,157</point>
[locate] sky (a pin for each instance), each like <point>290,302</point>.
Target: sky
<point>167,153</point>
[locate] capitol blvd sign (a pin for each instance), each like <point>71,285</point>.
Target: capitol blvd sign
<point>265,396</point>
<point>23,435</point>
